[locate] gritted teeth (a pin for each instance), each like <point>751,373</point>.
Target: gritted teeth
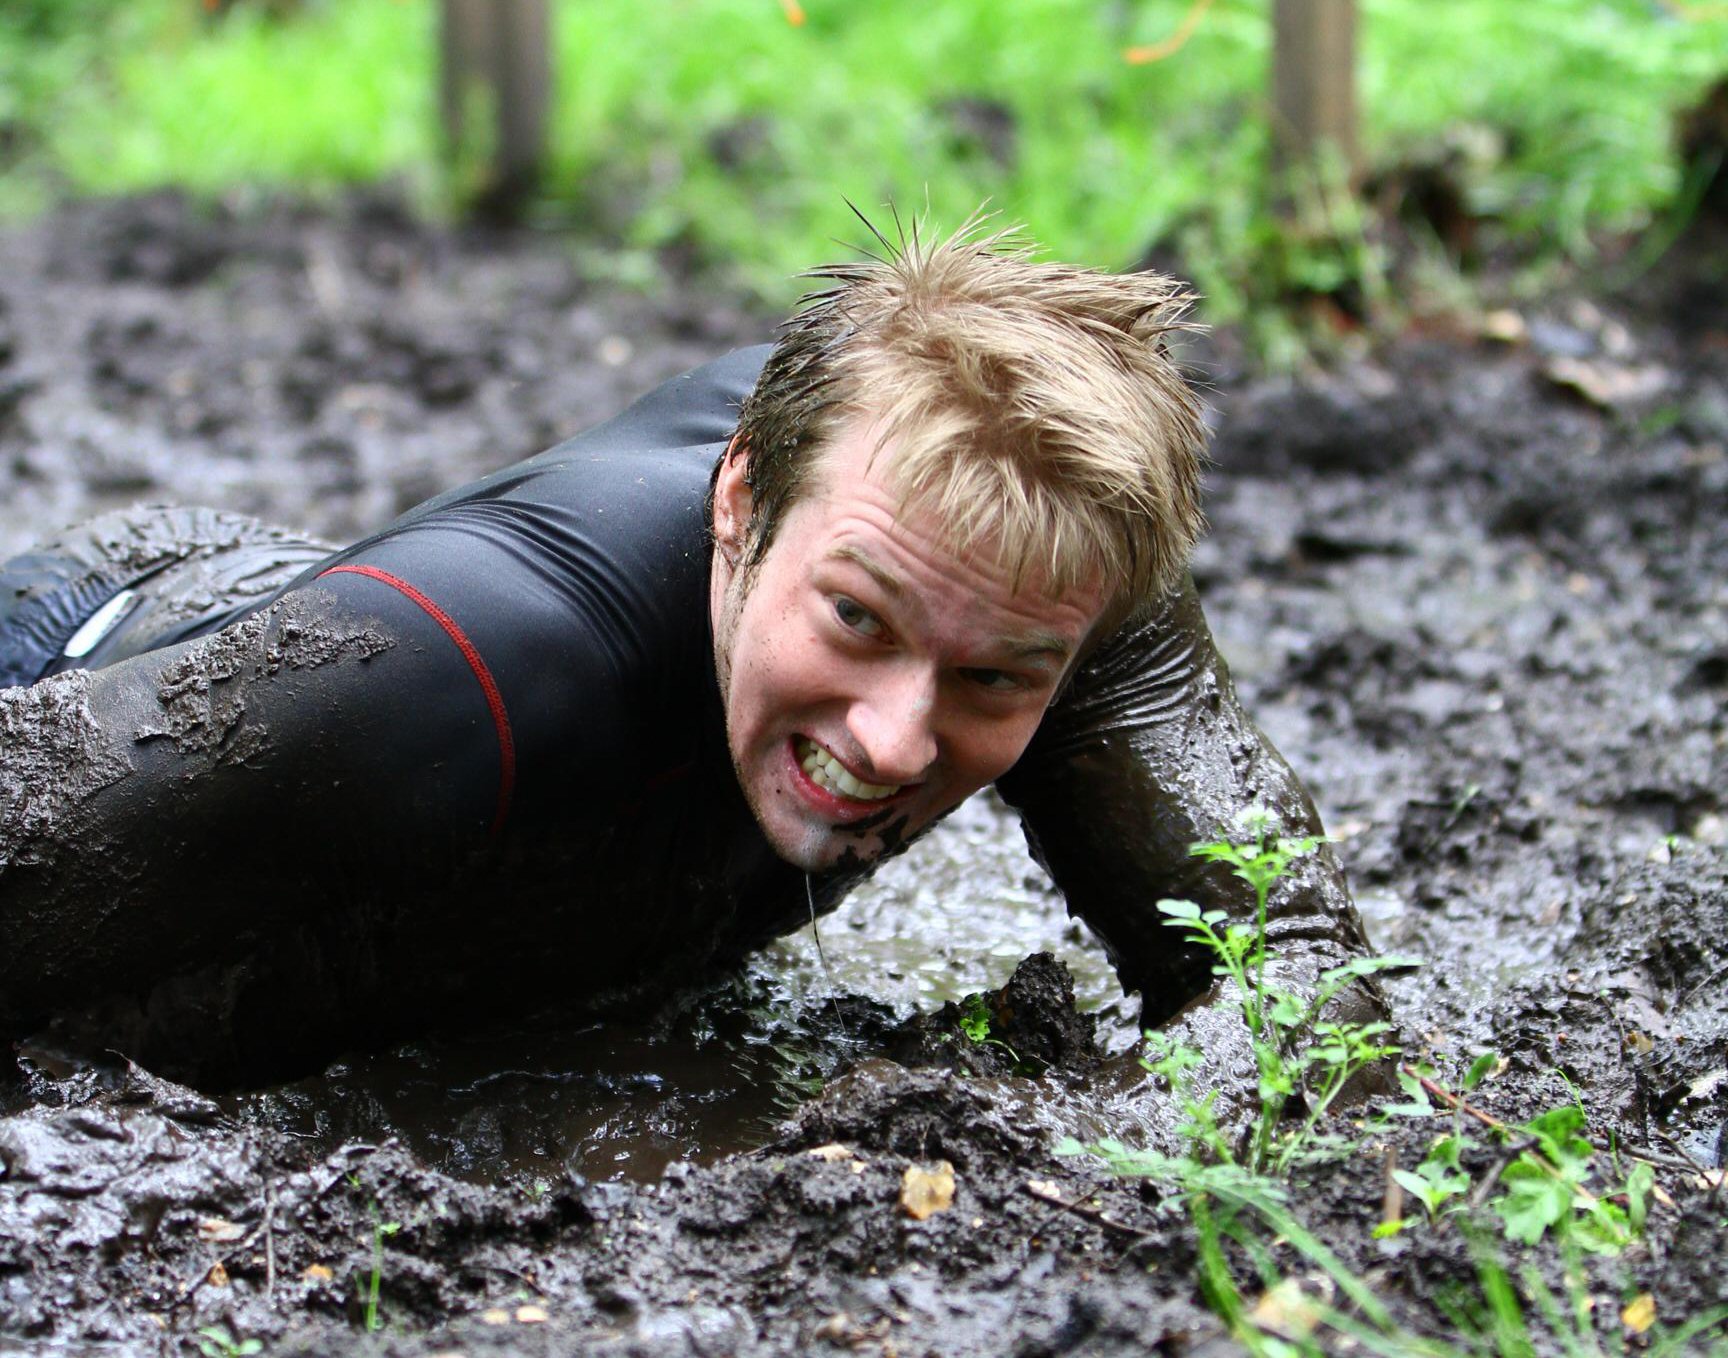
<point>830,774</point>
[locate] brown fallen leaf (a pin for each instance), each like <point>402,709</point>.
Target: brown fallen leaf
<point>831,1152</point>
<point>924,1192</point>
<point>216,1231</point>
<point>317,1273</point>
<point>218,1276</point>
<point>1639,1314</point>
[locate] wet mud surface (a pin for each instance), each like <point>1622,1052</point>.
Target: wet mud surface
<point>1477,592</point>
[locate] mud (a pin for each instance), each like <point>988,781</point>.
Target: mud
<point>202,706</point>
<point>57,756</point>
<point>1477,593</point>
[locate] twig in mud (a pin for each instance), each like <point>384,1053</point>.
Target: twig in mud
<point>1508,1153</point>
<point>1684,1154</point>
<point>1719,972</point>
<point>1644,1155</point>
<point>1048,1192</point>
<point>1392,1203</point>
<point>1698,1169</point>
<point>270,1242</point>
<point>1452,1101</point>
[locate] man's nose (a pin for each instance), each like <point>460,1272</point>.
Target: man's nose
<point>895,725</point>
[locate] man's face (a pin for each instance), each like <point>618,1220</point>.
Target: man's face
<point>872,679</point>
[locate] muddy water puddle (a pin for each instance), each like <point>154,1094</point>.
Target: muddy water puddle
<point>624,1099</point>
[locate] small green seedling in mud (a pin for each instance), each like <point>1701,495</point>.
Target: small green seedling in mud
<point>975,1019</point>
<point>1439,1183</point>
<point>1233,1190</point>
<point>381,1231</point>
<point>1545,1189</point>
<point>1297,1055</point>
<point>214,1341</point>
<point>1222,1185</point>
<point>1543,1171</point>
<point>1260,861</point>
<point>975,1026</point>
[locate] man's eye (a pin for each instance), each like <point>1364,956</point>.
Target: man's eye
<point>857,617</point>
<point>996,681</point>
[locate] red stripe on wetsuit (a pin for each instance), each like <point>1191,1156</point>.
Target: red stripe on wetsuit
<point>488,685</point>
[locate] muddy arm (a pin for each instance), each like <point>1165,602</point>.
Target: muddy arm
<point>1148,753</point>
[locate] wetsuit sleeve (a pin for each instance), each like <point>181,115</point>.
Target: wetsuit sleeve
<point>1148,753</point>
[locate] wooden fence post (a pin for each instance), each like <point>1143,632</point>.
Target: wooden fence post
<point>496,56</point>
<point>1314,80</point>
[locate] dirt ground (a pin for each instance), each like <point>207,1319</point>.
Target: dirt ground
<point>1475,588</point>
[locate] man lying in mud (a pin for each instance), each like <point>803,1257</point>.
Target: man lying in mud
<point>579,732</point>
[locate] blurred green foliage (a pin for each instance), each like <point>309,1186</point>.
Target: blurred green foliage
<point>725,132</point>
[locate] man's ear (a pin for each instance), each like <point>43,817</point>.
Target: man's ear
<point>733,501</point>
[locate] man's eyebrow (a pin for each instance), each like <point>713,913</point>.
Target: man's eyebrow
<point>884,577</point>
<point>1038,645</point>
<point>1031,646</point>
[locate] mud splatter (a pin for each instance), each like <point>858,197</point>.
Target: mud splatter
<point>203,693</point>
<point>57,756</point>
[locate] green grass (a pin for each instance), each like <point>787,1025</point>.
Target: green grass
<point>1108,159</point>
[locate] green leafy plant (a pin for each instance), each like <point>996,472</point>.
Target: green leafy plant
<point>1439,1183</point>
<point>975,1019</point>
<point>215,1341</point>
<point>975,1025</point>
<point>1546,1172</point>
<point>1298,1055</point>
<point>1224,1184</point>
<point>1545,1189</point>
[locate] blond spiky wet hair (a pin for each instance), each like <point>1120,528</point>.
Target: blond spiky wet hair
<point>1031,407</point>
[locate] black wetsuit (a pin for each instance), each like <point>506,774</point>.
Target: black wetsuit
<point>476,763</point>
